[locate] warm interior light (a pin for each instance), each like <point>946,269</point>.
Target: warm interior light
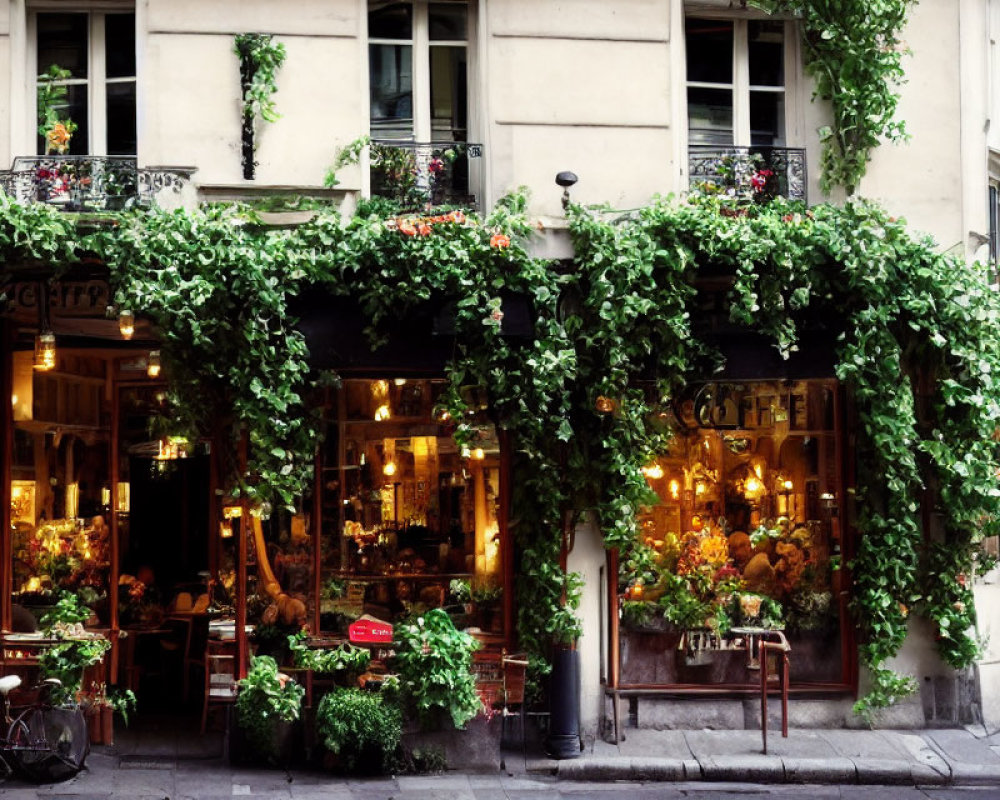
<point>675,489</point>
<point>479,454</point>
<point>604,404</point>
<point>105,496</point>
<point>400,381</point>
<point>45,351</point>
<point>382,413</point>
<point>13,399</point>
<point>126,323</point>
<point>153,364</point>
<point>124,500</point>
<point>654,471</point>
<point>389,468</point>
<point>787,486</point>
<point>226,529</point>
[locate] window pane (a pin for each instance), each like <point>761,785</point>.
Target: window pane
<point>121,119</point>
<point>391,75</point>
<point>709,50</point>
<point>76,111</point>
<point>767,118</point>
<point>119,33</point>
<point>449,93</point>
<point>62,40</point>
<point>710,116</point>
<point>394,21</point>
<point>767,53</point>
<point>447,22</point>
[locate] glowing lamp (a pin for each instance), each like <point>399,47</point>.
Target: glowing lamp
<point>45,351</point>
<point>389,468</point>
<point>126,323</point>
<point>654,471</point>
<point>153,364</point>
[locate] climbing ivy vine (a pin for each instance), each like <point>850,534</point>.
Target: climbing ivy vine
<point>854,54</point>
<point>260,59</point>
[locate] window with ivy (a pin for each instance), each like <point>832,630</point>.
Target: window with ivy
<point>92,56</point>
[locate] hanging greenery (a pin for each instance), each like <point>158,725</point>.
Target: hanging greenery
<point>854,54</point>
<point>260,59</point>
<point>614,337</point>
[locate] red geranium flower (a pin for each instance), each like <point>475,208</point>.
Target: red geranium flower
<point>499,241</point>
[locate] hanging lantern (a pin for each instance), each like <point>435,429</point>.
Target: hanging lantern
<point>153,364</point>
<point>45,351</point>
<point>389,469</point>
<point>126,323</point>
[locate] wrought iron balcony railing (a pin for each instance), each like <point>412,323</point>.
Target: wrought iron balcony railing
<point>420,174</point>
<point>88,183</point>
<point>759,172</point>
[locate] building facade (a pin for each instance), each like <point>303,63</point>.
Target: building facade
<point>637,98</point>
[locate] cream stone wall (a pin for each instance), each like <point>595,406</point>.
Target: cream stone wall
<point>584,87</point>
<point>921,179</point>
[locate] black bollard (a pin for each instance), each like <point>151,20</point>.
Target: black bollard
<point>564,705</point>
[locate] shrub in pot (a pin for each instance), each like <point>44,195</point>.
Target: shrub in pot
<point>434,662</point>
<point>362,729</point>
<point>267,703</point>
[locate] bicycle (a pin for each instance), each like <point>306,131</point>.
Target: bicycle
<point>44,742</point>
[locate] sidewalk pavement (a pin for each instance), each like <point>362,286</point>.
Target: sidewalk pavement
<point>967,756</point>
<point>157,763</point>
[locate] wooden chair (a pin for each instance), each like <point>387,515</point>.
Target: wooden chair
<point>220,677</point>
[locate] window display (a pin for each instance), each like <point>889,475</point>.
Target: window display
<point>410,520</point>
<point>746,534</point>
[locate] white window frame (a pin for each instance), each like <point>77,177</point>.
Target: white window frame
<point>97,134</point>
<point>741,86</point>
<point>421,44</point>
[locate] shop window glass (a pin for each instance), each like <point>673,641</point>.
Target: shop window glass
<point>746,533</point>
<point>408,517</point>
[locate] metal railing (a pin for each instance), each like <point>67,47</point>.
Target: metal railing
<point>759,172</point>
<point>89,183</point>
<point>422,174</point>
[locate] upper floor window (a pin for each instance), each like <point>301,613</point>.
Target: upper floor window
<point>418,70</point>
<point>94,52</point>
<point>736,81</point>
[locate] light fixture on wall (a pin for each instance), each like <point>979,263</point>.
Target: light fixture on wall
<point>126,323</point>
<point>153,364</point>
<point>566,179</point>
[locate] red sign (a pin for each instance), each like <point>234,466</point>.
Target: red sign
<point>368,631</point>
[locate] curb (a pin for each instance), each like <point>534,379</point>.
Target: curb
<point>773,770</point>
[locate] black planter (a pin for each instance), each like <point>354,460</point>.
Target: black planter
<point>564,705</point>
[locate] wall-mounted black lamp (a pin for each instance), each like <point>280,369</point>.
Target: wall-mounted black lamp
<point>566,179</point>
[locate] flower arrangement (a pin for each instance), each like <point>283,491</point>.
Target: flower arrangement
<point>52,99</point>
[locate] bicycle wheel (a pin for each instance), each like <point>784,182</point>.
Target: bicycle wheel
<point>49,744</point>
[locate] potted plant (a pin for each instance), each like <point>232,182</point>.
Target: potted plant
<point>75,649</point>
<point>360,728</point>
<point>100,706</point>
<point>434,662</point>
<point>267,703</point>
<point>344,663</point>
